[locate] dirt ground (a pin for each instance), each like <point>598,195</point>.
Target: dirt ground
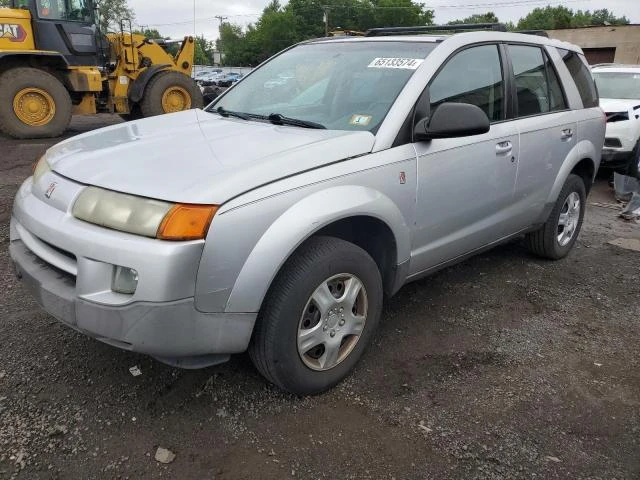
<point>504,366</point>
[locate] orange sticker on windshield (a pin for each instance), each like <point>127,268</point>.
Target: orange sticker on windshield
<point>360,120</point>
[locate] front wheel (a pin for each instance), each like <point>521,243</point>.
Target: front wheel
<point>33,104</point>
<point>557,236</point>
<point>319,316</point>
<point>170,92</point>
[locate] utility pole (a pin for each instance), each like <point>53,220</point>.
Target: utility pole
<point>194,19</point>
<point>222,19</point>
<point>326,20</point>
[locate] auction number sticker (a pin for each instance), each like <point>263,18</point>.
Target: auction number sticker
<point>404,63</point>
<point>360,120</point>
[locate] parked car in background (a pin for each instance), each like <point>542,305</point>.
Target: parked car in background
<point>280,220</point>
<point>619,88</point>
<point>229,79</point>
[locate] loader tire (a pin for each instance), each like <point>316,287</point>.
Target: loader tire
<point>170,92</point>
<point>33,104</point>
<point>134,114</point>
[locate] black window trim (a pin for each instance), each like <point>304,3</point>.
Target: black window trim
<point>405,132</point>
<point>584,61</point>
<point>502,69</point>
<point>550,62</point>
<point>510,113</point>
<point>545,55</point>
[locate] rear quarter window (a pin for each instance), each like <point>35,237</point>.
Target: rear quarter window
<point>581,74</point>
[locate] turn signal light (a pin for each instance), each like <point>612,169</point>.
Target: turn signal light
<point>186,222</point>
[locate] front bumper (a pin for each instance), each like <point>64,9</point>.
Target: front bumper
<point>167,330</point>
<point>615,158</point>
<point>69,265</point>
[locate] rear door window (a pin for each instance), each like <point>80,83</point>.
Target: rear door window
<point>581,74</point>
<point>537,86</point>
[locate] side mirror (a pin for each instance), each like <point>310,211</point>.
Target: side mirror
<point>451,120</point>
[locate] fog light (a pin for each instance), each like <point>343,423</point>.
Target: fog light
<point>125,280</point>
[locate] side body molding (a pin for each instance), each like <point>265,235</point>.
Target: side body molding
<point>301,221</point>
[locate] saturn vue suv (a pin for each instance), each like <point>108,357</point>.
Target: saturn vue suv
<point>277,219</point>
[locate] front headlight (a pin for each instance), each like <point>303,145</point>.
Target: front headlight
<point>143,216</point>
<point>40,168</point>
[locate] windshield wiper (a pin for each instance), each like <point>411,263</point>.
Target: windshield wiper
<point>278,119</point>
<point>229,113</point>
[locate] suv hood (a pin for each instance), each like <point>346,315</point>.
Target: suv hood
<point>199,157</point>
<point>612,105</point>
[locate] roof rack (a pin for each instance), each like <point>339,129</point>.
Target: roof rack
<point>540,33</point>
<point>422,29</point>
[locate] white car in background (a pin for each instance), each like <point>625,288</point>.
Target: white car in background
<point>619,88</point>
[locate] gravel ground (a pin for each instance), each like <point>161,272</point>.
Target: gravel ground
<point>504,366</point>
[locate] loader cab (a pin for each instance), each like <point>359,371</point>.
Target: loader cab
<point>64,26</point>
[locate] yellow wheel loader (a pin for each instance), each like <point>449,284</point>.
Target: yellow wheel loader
<point>55,62</point>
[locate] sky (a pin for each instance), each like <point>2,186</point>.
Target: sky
<point>175,18</point>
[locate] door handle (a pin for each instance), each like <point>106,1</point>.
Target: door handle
<point>504,148</point>
<point>567,133</point>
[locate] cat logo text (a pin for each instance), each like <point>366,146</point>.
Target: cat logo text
<point>13,32</point>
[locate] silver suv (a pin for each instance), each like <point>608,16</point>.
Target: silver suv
<point>277,219</point>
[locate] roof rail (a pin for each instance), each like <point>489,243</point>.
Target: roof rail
<point>422,29</point>
<point>540,33</point>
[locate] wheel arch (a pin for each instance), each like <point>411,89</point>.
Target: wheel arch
<point>138,87</point>
<point>44,60</point>
<point>580,160</point>
<point>361,215</point>
<point>585,169</point>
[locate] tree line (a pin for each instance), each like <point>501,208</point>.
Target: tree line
<point>281,26</point>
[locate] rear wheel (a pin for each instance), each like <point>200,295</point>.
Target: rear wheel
<point>170,92</point>
<point>319,316</point>
<point>33,104</point>
<point>557,236</point>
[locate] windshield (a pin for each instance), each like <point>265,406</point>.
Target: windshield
<point>621,85</point>
<point>73,10</point>
<point>339,85</point>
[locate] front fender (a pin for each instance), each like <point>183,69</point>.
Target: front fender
<point>301,221</point>
<point>136,92</point>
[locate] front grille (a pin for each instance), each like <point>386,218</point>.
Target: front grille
<point>612,143</point>
<point>68,278</point>
<point>69,255</point>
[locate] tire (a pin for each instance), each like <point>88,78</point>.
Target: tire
<point>43,91</point>
<point>188,94</point>
<point>274,346</point>
<point>548,241</point>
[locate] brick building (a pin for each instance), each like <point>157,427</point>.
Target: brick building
<point>607,44</point>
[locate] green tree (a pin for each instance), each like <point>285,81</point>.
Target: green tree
<point>150,33</point>
<point>552,18</point>
<point>5,3</point>
<point>112,12</point>
<point>399,13</point>
<point>488,17</point>
<point>281,26</point>
<point>547,18</point>
<point>234,46</point>
<point>203,54</point>
<point>604,17</point>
